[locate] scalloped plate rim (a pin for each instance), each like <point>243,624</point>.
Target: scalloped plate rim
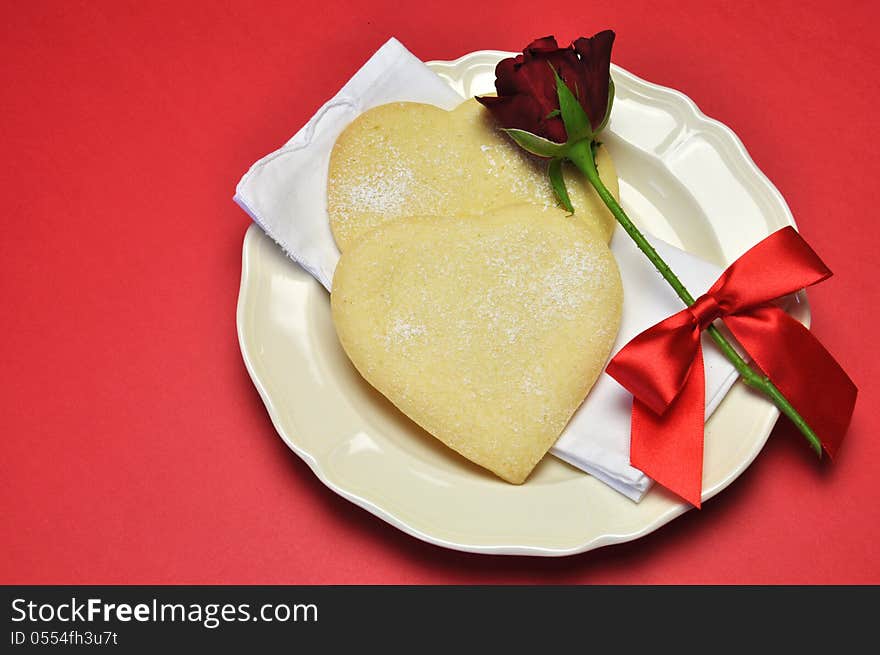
<point>671,513</point>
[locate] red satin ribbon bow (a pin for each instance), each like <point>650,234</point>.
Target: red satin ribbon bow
<point>663,366</point>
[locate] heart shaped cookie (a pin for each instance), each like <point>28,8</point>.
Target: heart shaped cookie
<point>488,331</point>
<point>411,159</point>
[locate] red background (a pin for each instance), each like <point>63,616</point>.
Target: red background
<point>134,446</point>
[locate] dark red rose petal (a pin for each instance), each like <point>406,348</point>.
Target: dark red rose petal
<point>595,55</point>
<point>505,76</point>
<point>567,65</point>
<point>523,113</point>
<point>538,46</point>
<point>527,88</point>
<point>536,79</point>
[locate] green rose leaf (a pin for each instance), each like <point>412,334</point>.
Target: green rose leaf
<point>610,104</point>
<point>537,145</point>
<point>575,119</point>
<point>557,181</point>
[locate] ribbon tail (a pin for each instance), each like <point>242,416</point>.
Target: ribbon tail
<point>801,368</point>
<point>669,448</point>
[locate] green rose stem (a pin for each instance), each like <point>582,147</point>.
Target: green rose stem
<point>580,149</point>
<point>582,154</point>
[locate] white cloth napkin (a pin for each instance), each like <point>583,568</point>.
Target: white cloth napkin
<point>285,193</point>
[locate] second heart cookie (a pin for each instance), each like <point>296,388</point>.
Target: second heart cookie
<point>411,159</point>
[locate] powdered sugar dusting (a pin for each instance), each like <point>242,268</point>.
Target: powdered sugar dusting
<point>402,330</point>
<point>385,189</point>
<point>514,169</point>
<point>530,282</point>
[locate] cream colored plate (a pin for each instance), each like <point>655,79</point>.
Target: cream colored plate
<point>683,177</point>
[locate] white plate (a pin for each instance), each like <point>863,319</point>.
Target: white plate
<point>683,177</point>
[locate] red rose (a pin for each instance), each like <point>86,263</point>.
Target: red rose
<point>527,93</point>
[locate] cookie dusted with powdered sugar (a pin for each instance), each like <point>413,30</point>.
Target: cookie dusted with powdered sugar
<point>411,159</point>
<point>488,331</point>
